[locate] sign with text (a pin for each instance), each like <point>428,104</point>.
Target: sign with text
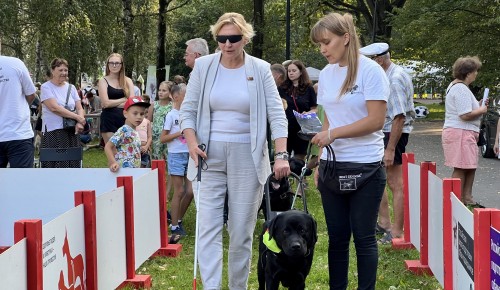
<point>463,245</point>
<point>63,251</point>
<point>495,258</point>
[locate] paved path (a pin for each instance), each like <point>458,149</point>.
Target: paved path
<point>425,143</point>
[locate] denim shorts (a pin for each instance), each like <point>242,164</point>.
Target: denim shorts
<point>177,163</point>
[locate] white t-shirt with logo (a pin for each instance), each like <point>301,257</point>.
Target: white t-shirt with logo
<point>15,85</point>
<point>49,90</point>
<point>171,124</point>
<point>371,84</point>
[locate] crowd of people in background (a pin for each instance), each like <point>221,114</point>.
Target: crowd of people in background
<point>242,109</point>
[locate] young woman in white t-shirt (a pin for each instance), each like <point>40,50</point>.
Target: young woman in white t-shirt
<point>353,91</point>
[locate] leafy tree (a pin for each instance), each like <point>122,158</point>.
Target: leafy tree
<point>440,31</point>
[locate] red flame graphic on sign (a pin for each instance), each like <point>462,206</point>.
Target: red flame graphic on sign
<point>76,270</point>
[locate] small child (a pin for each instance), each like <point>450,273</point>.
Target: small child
<point>124,148</point>
<point>178,156</point>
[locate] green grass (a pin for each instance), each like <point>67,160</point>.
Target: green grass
<point>177,273</point>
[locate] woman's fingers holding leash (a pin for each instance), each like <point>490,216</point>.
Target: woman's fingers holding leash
<point>195,151</point>
<point>281,168</point>
<point>321,139</point>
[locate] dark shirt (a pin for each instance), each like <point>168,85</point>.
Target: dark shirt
<point>299,103</point>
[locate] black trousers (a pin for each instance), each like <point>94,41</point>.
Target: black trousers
<point>355,214</point>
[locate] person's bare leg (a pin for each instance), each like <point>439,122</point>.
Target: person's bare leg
<point>176,199</point>
<point>384,219</point>
<point>467,186</point>
<point>187,198</point>
<point>395,182</point>
<point>460,173</point>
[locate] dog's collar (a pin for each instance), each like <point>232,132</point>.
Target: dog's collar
<point>270,243</point>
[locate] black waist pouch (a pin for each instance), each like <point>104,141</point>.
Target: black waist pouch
<point>345,177</point>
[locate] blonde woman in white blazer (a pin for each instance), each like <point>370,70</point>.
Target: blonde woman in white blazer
<point>229,100</point>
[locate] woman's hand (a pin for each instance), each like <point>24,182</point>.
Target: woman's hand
<point>144,149</point>
<point>281,168</point>
<point>495,148</point>
<point>323,138</point>
<point>78,128</point>
<point>195,152</point>
<point>81,120</point>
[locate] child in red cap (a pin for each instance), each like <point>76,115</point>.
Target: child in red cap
<point>124,148</point>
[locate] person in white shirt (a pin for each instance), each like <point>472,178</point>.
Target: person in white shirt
<point>229,100</point>
<point>353,91</point>
<point>461,125</point>
<point>17,92</point>
<point>177,160</point>
<point>397,128</point>
<point>60,100</point>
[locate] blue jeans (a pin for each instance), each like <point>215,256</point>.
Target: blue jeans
<point>353,213</point>
<point>19,153</point>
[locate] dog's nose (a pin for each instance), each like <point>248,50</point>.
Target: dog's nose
<point>296,246</point>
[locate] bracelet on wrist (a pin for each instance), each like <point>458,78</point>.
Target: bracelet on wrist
<point>281,155</point>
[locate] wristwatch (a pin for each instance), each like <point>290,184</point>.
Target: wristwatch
<point>282,155</point>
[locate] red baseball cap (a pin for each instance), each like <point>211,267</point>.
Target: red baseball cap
<point>135,101</point>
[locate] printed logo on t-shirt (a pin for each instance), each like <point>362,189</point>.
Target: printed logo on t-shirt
<point>176,122</point>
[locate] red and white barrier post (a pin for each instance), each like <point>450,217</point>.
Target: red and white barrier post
<point>87,198</point>
<point>139,281</point>
<point>450,185</point>
<point>169,250</point>
<point>32,231</point>
<point>421,266</point>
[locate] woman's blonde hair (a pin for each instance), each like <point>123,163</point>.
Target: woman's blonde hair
<point>340,25</point>
<point>121,73</point>
<point>236,19</point>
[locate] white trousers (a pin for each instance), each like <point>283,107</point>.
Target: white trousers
<point>231,169</point>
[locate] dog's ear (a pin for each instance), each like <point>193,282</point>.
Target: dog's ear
<point>314,233</point>
<point>272,225</point>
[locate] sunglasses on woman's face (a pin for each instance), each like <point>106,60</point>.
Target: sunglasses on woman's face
<point>231,38</point>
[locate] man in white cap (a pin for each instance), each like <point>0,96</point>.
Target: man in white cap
<point>398,125</point>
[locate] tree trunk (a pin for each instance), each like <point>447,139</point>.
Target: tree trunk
<point>38,61</point>
<point>160,46</point>
<point>128,43</point>
<point>258,24</point>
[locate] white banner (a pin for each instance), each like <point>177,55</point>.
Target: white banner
<point>110,232</point>
<point>463,245</point>
<point>63,251</point>
<point>13,267</point>
<point>151,82</point>
<point>46,193</point>
<point>435,226</point>
<point>414,199</point>
<point>146,217</point>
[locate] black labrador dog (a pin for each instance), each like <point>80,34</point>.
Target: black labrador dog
<point>286,250</point>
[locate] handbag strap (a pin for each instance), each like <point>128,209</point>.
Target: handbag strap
<point>67,95</point>
<point>293,98</point>
<point>452,86</point>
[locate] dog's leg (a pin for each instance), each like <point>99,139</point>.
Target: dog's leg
<point>272,283</point>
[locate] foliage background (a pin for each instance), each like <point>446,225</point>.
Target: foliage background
<point>431,32</point>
